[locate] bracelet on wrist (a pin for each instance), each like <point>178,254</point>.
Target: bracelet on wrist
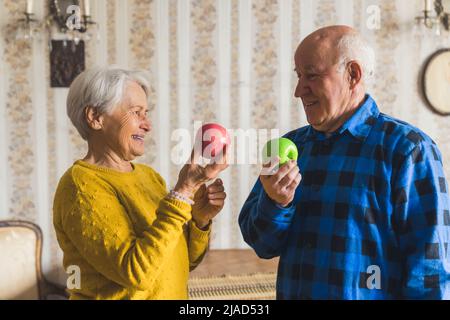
<point>179,196</point>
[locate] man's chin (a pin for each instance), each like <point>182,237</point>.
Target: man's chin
<point>314,122</point>
<point>318,125</point>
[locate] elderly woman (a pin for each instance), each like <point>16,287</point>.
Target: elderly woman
<point>115,219</point>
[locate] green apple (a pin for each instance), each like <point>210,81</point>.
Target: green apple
<point>287,150</point>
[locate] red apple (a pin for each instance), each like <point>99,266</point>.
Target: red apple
<point>214,139</point>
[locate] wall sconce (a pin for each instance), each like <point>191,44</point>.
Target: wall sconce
<point>28,27</point>
<point>435,21</point>
<point>68,18</point>
<point>68,25</point>
<point>71,19</point>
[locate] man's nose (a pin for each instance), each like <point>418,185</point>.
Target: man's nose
<point>301,89</point>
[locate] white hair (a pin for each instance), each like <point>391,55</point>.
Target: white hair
<point>101,88</point>
<point>354,47</point>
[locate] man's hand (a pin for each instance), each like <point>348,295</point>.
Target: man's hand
<point>208,203</point>
<point>281,186</point>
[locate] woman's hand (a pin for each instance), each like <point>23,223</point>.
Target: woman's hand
<point>208,203</point>
<point>193,175</point>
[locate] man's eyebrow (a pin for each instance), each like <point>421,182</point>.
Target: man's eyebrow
<point>308,68</point>
<point>311,68</point>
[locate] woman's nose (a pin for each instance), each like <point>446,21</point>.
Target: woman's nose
<point>146,125</point>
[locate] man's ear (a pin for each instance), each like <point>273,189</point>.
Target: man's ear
<point>354,74</point>
<point>93,118</point>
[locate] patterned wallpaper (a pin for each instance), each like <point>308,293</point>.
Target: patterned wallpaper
<point>142,48</point>
<point>264,67</point>
<point>234,186</point>
<point>395,87</point>
<point>18,110</point>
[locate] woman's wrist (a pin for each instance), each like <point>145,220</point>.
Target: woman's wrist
<point>202,225</point>
<point>185,189</point>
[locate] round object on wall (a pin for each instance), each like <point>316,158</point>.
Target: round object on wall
<point>436,82</point>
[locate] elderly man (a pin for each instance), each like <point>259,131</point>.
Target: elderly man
<point>364,212</point>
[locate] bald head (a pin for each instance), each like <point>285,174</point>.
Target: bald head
<point>332,64</point>
<point>340,43</point>
<point>331,34</point>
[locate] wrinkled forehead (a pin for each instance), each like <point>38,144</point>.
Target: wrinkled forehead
<point>133,95</point>
<point>319,53</point>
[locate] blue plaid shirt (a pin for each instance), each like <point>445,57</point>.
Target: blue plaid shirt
<point>369,220</point>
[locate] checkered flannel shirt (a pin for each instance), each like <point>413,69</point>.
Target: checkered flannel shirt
<point>369,220</point>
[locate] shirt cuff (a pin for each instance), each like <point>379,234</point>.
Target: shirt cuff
<point>270,210</point>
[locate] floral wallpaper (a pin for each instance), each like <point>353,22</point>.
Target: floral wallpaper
<point>326,13</point>
<point>173,77</point>
<point>385,44</point>
<point>264,67</point>
<point>235,187</point>
<point>142,47</point>
<point>296,116</point>
<point>21,157</point>
<point>265,62</point>
<point>204,65</point>
<point>389,87</point>
<point>357,14</point>
<point>111,31</point>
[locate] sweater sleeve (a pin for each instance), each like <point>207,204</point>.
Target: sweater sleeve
<point>99,227</point>
<point>198,241</point>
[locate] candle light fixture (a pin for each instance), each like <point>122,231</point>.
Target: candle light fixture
<point>434,17</point>
<point>27,27</point>
<point>68,24</point>
<point>70,19</point>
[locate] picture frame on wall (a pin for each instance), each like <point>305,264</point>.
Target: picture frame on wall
<point>436,82</point>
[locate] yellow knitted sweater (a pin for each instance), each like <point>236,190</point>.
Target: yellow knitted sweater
<point>129,241</point>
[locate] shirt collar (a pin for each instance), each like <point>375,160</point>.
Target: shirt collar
<point>359,124</point>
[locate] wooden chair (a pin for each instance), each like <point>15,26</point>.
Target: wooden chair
<point>21,275</point>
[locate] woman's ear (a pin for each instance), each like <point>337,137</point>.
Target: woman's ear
<point>93,118</point>
<point>354,73</point>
